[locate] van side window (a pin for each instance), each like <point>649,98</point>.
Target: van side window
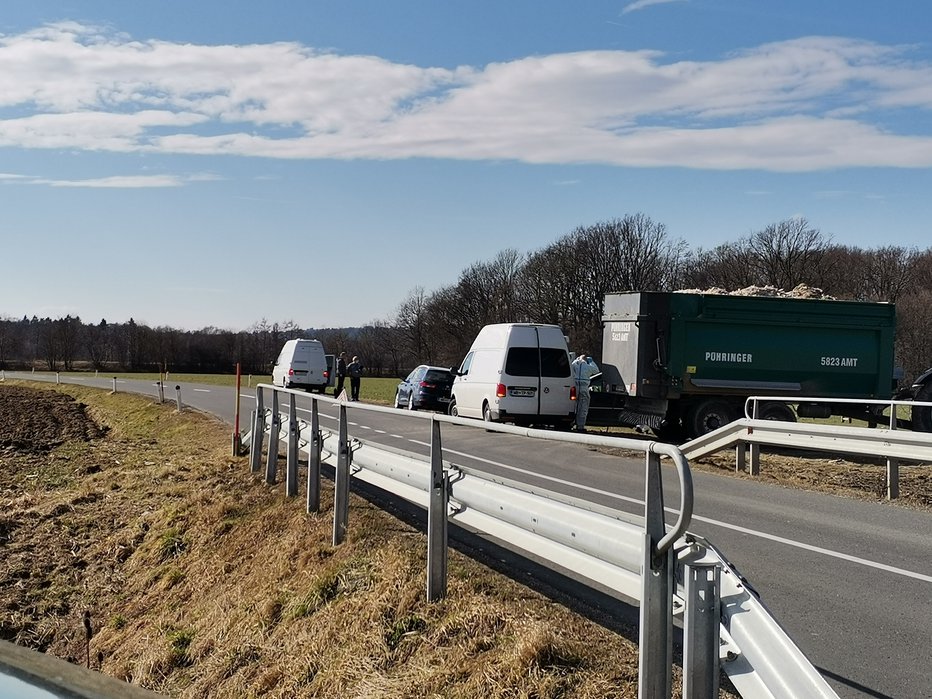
<point>523,361</point>
<point>464,367</point>
<point>554,363</point>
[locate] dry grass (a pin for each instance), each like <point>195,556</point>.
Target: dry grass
<point>202,581</point>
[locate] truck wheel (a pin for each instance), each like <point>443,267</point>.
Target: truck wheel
<point>922,414</point>
<point>777,411</point>
<point>709,415</point>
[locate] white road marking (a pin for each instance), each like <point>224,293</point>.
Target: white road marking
<point>398,436</point>
<point>201,390</point>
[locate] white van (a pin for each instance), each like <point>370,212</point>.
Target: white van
<point>301,364</point>
<point>517,372</point>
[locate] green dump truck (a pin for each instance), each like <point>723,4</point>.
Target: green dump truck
<point>683,364</point>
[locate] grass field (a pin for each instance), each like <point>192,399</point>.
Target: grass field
<point>380,391</point>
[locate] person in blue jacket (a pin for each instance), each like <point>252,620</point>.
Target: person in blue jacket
<point>584,368</point>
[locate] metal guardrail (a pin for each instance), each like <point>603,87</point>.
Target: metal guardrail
<point>666,570</point>
<point>748,434</point>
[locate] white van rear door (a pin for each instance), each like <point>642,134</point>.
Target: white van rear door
<point>555,382</point>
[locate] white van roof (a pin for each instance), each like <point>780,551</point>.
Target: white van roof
<point>501,334</point>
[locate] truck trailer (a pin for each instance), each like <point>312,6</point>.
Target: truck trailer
<point>683,364</point>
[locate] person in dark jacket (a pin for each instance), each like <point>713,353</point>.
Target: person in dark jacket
<point>341,374</point>
<point>355,374</point>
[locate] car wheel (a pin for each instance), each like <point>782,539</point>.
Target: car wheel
<point>398,399</point>
<point>411,405</point>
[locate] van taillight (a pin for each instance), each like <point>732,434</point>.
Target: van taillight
<point>326,374</point>
<point>572,393</point>
<point>290,372</point>
<point>500,390</point>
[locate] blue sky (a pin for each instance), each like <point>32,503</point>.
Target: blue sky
<point>209,163</point>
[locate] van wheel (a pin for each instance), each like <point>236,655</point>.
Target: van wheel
<point>453,410</point>
<point>486,413</point>
<point>398,400</point>
<point>411,402</point>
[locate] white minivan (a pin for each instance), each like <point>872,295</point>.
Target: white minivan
<point>517,372</point>
<point>302,364</point>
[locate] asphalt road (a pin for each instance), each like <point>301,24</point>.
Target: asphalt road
<point>850,581</point>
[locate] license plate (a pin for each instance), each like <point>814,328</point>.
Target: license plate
<point>522,392</point>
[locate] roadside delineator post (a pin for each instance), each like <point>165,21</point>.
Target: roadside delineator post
<point>237,438</point>
<point>178,397</point>
<point>114,385</point>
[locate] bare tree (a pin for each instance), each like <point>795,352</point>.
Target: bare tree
<point>788,253</point>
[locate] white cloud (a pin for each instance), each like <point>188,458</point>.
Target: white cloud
<point>641,4</point>
<point>118,182</point>
<point>806,104</point>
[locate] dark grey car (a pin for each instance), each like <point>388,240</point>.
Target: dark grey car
<point>425,388</point>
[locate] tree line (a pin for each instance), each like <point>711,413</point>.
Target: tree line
<point>562,283</point>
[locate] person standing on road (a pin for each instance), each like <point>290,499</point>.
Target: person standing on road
<point>355,374</point>
<point>341,374</point>
<point>584,368</point>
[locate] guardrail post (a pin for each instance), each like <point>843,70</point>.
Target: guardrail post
<point>341,483</point>
<point>258,432</point>
<point>655,646</point>
<point>437,519</point>
<point>291,462</point>
<point>741,450</point>
<point>755,448</point>
<point>314,446</point>
<point>701,633</point>
<point>275,435</point>
<point>893,465</point>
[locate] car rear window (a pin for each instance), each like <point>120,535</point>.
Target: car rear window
<point>438,376</point>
